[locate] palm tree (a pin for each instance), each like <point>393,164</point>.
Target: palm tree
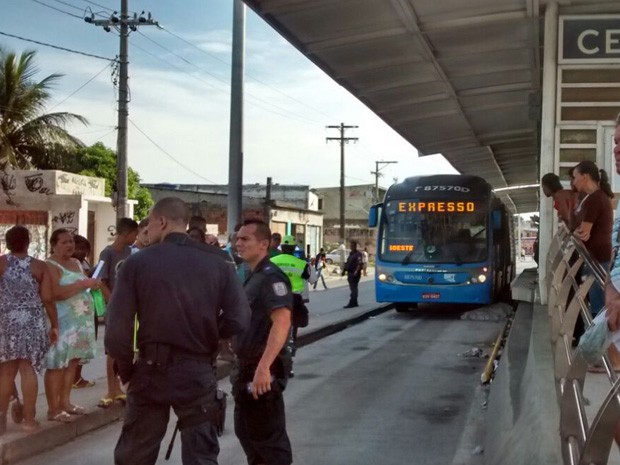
<point>29,137</point>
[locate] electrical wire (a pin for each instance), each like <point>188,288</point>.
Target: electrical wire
<point>81,87</point>
<point>290,116</point>
<point>69,5</point>
<point>215,57</point>
<point>182,165</point>
<point>64,49</point>
<point>57,9</point>
<point>250,96</point>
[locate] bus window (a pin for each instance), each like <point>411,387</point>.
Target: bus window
<point>429,231</point>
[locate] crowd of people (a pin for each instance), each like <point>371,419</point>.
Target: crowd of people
<point>49,324</point>
<point>587,210</point>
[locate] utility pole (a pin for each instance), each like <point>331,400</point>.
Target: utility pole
<point>377,173</point>
<point>343,140</point>
<point>123,24</point>
<point>235,155</point>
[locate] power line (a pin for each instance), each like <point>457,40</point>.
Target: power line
<point>182,165</point>
<point>275,89</point>
<point>57,9</point>
<point>64,49</point>
<point>80,88</point>
<point>69,5</point>
<point>226,83</point>
<point>288,116</point>
<point>99,5</point>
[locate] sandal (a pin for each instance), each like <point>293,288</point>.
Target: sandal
<point>76,410</point>
<point>61,417</point>
<point>121,398</point>
<point>26,428</point>
<point>83,383</point>
<point>17,411</point>
<point>105,402</point>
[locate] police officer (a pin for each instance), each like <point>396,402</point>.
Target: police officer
<point>178,288</point>
<point>299,274</point>
<point>260,376</point>
<point>353,269</point>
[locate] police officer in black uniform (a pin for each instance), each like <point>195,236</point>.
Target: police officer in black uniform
<point>186,296</point>
<point>263,355</point>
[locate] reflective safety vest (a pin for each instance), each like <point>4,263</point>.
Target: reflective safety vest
<point>293,267</point>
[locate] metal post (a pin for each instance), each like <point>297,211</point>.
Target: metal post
<point>235,160</point>
<point>343,235</point>
<point>377,173</point>
<point>547,146</point>
<point>122,207</point>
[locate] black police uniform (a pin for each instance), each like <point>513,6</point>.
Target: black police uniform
<point>260,424</point>
<point>187,296</point>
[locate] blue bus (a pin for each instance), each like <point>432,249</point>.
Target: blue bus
<point>442,238</point>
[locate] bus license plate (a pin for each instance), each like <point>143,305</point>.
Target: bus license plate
<point>431,295</point>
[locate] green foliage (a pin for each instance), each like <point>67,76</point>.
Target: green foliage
<point>100,161</point>
<point>29,137</point>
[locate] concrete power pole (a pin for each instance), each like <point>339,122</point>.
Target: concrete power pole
<point>124,24</point>
<point>377,173</point>
<point>343,140</point>
<point>235,157</point>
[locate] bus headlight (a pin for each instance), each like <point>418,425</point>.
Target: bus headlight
<point>482,278</point>
<point>382,277</point>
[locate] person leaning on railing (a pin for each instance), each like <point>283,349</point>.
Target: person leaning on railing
<point>563,199</point>
<point>596,215</point>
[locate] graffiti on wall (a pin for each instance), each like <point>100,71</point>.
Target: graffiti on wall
<point>35,183</point>
<point>67,219</point>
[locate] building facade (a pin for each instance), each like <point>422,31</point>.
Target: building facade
<point>358,200</point>
<point>292,209</point>
<point>44,201</point>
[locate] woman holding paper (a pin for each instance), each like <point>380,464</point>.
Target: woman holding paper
<point>76,339</point>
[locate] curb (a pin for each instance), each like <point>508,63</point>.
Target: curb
<point>320,333</point>
<point>49,437</point>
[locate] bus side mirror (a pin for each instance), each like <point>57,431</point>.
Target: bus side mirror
<point>373,216</point>
<point>496,218</point>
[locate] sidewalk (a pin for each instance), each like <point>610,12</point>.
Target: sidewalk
<point>16,446</point>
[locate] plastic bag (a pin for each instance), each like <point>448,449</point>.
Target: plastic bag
<point>595,341</point>
<point>99,302</point>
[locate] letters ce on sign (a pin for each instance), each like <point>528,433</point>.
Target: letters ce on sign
<point>592,39</point>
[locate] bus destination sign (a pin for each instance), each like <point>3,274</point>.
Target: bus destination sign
<point>436,207</point>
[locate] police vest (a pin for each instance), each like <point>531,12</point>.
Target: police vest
<point>293,267</point>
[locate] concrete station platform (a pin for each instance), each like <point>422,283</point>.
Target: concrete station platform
<point>324,319</point>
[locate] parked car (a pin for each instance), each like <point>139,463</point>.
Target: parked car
<point>334,256</point>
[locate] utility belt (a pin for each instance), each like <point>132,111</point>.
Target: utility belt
<point>162,355</point>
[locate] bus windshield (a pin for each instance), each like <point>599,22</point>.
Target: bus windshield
<point>434,231</point>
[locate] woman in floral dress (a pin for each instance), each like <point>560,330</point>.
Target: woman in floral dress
<point>25,297</point>
<point>76,340</point>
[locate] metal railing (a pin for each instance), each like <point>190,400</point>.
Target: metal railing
<point>582,443</point>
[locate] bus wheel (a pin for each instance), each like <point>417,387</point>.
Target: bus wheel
<point>404,307</point>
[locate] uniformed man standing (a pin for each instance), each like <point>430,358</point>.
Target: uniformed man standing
<point>353,269</point>
<point>186,296</point>
<point>299,274</point>
<point>263,362</point>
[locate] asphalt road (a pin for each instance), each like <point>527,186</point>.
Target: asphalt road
<point>391,390</point>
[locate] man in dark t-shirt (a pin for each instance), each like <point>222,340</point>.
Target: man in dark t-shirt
<point>113,257</point>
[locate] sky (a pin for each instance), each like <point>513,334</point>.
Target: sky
<point>180,96</point>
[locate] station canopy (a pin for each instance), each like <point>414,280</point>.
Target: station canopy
<point>456,77</point>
